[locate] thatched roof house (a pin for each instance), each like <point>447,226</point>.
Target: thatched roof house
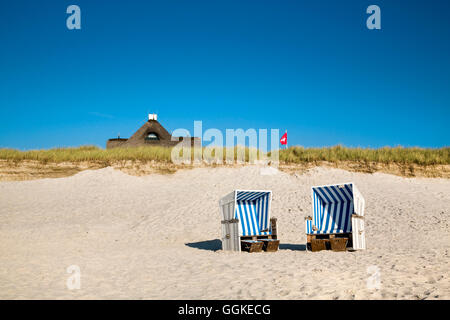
<point>151,133</point>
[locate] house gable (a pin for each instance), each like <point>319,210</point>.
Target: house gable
<point>151,126</point>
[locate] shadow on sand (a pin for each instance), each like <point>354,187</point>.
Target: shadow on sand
<point>290,246</point>
<point>216,244</point>
<point>212,245</point>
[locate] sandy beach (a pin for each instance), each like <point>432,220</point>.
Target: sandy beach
<point>157,237</point>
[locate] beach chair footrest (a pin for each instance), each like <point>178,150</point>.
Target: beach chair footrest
<point>338,244</point>
<point>318,245</point>
<point>251,245</point>
<point>270,245</point>
<point>335,242</point>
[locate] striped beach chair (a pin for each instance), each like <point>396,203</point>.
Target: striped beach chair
<point>246,223</point>
<point>337,220</point>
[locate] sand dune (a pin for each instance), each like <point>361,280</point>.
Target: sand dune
<point>157,237</point>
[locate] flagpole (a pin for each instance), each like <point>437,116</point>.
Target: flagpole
<point>286,140</point>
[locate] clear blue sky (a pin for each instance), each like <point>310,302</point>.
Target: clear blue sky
<point>309,67</point>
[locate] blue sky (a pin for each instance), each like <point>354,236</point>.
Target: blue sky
<point>309,67</point>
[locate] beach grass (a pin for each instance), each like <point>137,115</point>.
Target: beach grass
<point>87,154</point>
<point>62,162</point>
<point>99,155</point>
<point>386,155</point>
<point>292,155</point>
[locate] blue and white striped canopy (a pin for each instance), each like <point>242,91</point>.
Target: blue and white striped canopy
<point>252,210</point>
<point>332,209</point>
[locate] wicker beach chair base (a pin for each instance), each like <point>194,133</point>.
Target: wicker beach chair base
<point>334,242</point>
<point>339,244</point>
<point>270,245</point>
<point>318,245</point>
<point>251,246</point>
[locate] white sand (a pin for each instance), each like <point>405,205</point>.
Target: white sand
<point>154,237</point>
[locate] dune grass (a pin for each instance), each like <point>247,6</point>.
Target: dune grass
<point>99,155</point>
<point>88,153</point>
<point>387,155</point>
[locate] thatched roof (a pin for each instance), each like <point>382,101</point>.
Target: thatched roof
<point>149,127</point>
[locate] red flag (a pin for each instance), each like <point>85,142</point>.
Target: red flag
<point>283,139</point>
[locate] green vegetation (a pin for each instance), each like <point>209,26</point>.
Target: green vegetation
<point>387,155</point>
<point>88,153</point>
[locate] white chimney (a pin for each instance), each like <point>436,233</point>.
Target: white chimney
<point>152,116</point>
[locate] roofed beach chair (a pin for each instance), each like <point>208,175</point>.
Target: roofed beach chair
<point>246,224</point>
<point>337,220</point>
